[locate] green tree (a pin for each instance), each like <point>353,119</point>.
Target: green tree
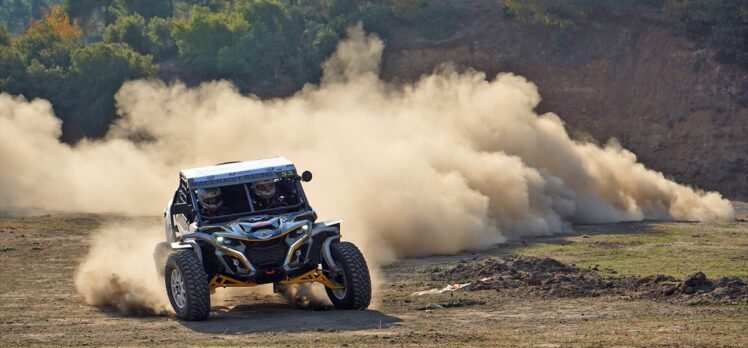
<point>146,8</point>
<point>273,50</point>
<point>94,15</point>
<point>163,45</point>
<point>84,9</point>
<point>91,15</point>
<point>97,72</point>
<point>341,7</point>
<point>12,70</point>
<point>130,30</point>
<point>201,36</point>
<point>4,36</point>
<point>80,81</point>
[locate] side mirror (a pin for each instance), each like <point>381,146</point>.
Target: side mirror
<point>306,176</point>
<point>180,208</point>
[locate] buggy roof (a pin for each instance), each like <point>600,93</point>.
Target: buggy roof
<point>238,172</point>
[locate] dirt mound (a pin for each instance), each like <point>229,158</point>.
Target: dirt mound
<point>697,288</point>
<point>534,276</point>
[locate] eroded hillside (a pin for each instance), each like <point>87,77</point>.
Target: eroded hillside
<point>663,96</point>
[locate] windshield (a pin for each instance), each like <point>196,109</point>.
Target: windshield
<point>229,202</point>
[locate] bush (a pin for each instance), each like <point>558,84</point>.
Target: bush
<point>438,19</point>
<point>724,24</point>
<point>435,20</point>
<point>565,13</point>
<point>375,18</point>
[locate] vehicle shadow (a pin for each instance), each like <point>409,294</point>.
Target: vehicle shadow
<point>277,317</point>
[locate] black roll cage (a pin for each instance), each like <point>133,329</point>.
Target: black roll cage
<point>184,190</point>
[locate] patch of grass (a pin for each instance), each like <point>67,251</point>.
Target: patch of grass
<point>434,269</point>
<point>5,248</point>
<point>662,248</point>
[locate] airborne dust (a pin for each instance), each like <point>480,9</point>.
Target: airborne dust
<point>449,162</point>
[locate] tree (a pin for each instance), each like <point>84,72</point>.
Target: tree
<point>270,50</point>
<point>18,15</point>
<point>48,61</point>
<point>341,7</point>
<point>97,71</point>
<point>163,45</point>
<point>12,69</point>
<point>84,9</point>
<point>91,15</point>
<point>130,30</point>
<point>201,36</point>
<point>146,8</point>
<point>4,36</point>
<point>55,20</point>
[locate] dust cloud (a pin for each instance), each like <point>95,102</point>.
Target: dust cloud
<point>452,161</point>
<point>119,270</point>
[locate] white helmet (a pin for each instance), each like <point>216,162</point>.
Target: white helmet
<point>264,189</point>
<point>210,198</point>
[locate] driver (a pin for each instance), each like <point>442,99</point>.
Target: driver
<point>211,203</point>
<point>266,195</point>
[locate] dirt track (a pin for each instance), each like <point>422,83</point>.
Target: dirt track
<point>39,306</point>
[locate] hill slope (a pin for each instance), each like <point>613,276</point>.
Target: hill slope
<point>663,96</point>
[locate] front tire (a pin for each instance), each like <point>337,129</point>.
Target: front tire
<point>187,286</point>
<point>353,275</point>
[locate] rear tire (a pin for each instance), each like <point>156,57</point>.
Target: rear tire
<point>187,286</point>
<point>354,276</point>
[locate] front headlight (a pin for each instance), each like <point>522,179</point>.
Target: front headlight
<point>300,232</point>
<point>226,241</point>
<point>297,234</point>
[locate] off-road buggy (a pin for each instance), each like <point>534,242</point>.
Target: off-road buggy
<point>247,244</point>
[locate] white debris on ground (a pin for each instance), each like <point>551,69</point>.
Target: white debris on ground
<point>449,287</point>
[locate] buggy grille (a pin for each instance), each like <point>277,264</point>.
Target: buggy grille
<point>268,254</point>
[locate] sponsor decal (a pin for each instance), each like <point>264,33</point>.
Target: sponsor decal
<point>240,178</point>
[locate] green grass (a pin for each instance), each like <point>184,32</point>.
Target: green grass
<point>661,248</point>
<point>433,269</point>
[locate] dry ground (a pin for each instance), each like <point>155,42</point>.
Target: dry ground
<point>39,306</point>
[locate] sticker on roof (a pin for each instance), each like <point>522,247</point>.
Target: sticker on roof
<point>240,172</point>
